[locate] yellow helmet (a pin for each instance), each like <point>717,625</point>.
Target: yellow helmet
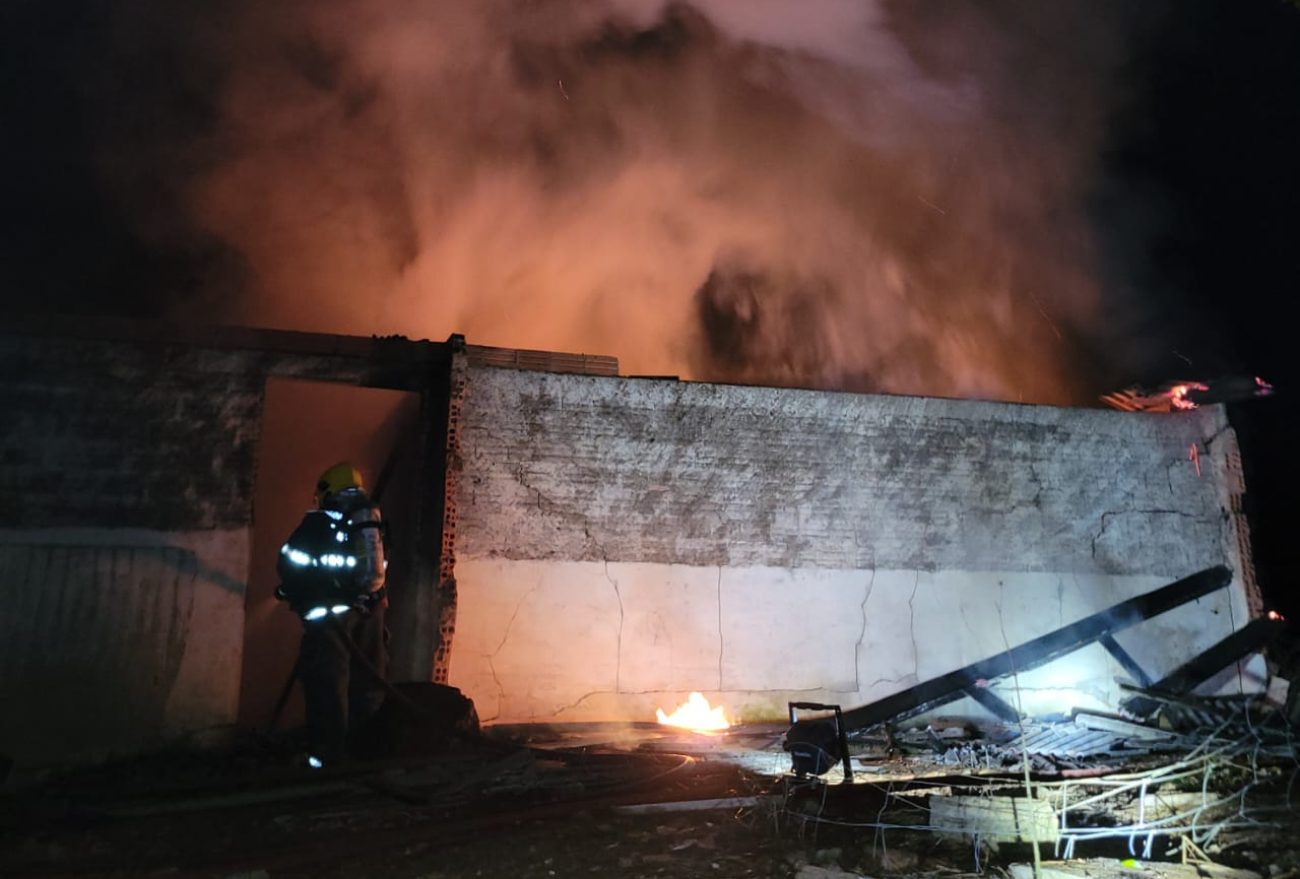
<point>340,477</point>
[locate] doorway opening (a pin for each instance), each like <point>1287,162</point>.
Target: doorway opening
<point>308,426</point>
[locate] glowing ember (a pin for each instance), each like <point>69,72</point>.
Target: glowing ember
<point>1178,394</point>
<point>1274,615</point>
<point>695,714</point>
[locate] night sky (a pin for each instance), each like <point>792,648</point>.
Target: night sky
<point>1016,200</point>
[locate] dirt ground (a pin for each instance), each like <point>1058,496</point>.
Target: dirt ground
<point>339,835</point>
<point>519,814</point>
<point>753,841</point>
<point>577,812</point>
<point>659,809</point>
<point>721,843</point>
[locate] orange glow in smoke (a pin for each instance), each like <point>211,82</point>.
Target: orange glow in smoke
<point>695,714</point>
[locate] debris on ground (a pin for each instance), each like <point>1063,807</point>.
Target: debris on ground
<point>933,799</point>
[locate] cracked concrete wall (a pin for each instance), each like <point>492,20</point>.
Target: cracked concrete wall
<point>624,541</point>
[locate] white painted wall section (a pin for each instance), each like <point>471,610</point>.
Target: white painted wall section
<point>588,641</point>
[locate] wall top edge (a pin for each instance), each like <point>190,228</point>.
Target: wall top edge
<point>231,337</point>
<point>542,361</point>
<point>1211,416</point>
<point>228,337</point>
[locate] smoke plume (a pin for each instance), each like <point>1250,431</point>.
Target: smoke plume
<point>872,196</point>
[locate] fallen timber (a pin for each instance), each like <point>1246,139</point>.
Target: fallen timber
<point>1105,779</point>
<point>1037,652</point>
<point>1251,638</point>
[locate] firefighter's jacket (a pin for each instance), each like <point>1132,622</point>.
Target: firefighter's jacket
<point>335,559</point>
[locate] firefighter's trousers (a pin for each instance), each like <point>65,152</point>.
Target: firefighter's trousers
<point>339,693</point>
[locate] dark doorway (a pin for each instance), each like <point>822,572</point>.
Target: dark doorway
<point>307,426</point>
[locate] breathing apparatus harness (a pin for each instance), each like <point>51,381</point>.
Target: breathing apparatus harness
<point>317,567</point>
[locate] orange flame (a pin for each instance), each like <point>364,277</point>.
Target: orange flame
<point>695,714</point>
<point>1178,394</point>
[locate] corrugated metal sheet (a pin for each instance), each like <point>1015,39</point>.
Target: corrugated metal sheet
<point>94,635</point>
<point>1067,740</point>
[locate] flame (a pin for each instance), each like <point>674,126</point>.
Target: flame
<point>1274,615</point>
<point>1178,394</point>
<point>695,714</point>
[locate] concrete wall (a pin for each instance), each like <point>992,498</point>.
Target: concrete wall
<point>128,465</point>
<point>621,542</point>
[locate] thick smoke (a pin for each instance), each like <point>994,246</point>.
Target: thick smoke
<point>832,194</point>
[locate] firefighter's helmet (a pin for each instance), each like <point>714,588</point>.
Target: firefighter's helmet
<point>338,478</point>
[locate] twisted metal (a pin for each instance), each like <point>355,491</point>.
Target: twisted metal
<point>1237,748</point>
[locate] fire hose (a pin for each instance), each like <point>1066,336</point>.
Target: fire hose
<point>400,698</point>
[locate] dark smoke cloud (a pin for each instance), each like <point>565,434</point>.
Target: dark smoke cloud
<point>836,194</point>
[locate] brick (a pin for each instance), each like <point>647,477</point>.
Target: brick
<point>598,468</point>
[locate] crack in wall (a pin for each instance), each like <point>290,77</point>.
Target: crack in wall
<point>911,612</point>
<point>501,690</point>
<point>555,713</point>
<point>1101,532</point>
<point>1209,440</point>
<point>618,647</point>
<point>505,635</point>
<point>965,618</point>
<point>1060,601</point>
<point>862,636</point>
<point>720,644</point>
<point>1037,500</point>
<point>1002,626</point>
<point>910,680</point>
<point>545,504</point>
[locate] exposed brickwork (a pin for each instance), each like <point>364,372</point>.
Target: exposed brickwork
<point>127,435</point>
<point>543,361</point>
<point>145,434</point>
<point>447,569</point>
<point>582,468</point>
<point>1236,487</point>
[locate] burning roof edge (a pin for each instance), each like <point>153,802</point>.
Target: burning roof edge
<point>539,361</point>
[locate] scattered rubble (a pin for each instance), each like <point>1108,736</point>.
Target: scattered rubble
<point>1169,776</point>
<point>929,800</point>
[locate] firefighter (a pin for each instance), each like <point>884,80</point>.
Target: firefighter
<point>332,575</point>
